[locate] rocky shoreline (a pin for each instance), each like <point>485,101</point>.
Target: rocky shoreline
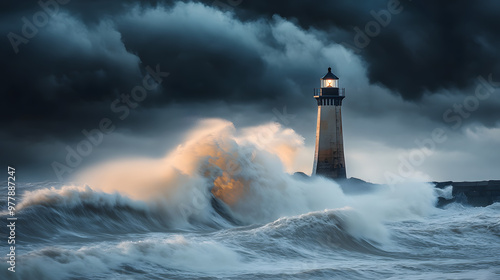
<point>481,193</point>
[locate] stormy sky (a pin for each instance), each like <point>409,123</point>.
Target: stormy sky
<point>422,79</point>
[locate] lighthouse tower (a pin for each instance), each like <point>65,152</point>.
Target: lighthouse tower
<point>329,155</point>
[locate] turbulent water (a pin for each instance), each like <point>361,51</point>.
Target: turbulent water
<point>222,206</point>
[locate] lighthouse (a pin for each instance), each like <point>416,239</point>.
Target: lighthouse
<point>329,154</point>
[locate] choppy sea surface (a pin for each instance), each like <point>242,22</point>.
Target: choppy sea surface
<point>80,233</point>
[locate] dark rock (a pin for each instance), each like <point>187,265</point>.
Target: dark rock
<point>481,193</point>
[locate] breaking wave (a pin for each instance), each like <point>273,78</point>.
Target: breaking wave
<point>223,203</point>
<point>221,177</point>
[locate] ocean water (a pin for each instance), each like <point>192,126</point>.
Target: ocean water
<point>222,206</point>
<point>77,233</point>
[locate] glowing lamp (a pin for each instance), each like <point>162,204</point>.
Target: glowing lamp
<point>330,80</point>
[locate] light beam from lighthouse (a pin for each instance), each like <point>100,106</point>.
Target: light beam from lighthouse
<point>329,154</point>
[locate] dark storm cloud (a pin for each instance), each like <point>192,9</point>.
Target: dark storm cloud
<point>264,55</point>
<point>65,76</point>
<point>70,72</point>
<point>428,46</point>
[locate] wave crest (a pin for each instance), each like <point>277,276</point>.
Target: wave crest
<point>219,177</point>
